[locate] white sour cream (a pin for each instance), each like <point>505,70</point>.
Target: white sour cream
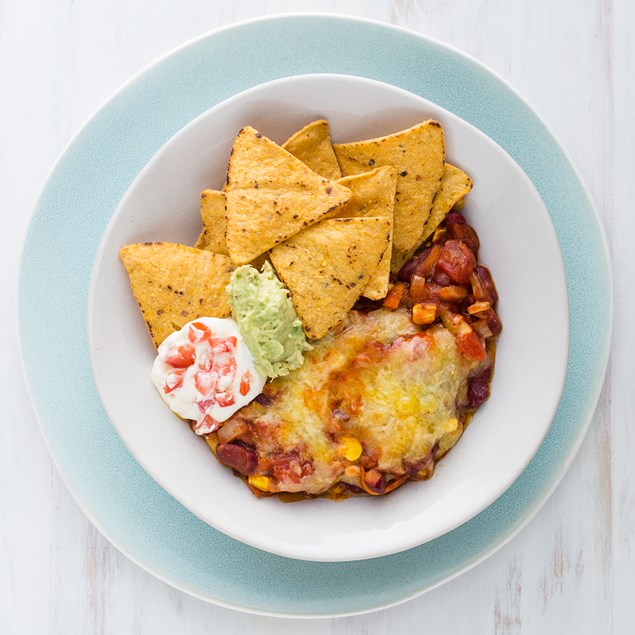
<point>205,372</point>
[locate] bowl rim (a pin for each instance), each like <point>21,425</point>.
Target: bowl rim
<point>304,552</point>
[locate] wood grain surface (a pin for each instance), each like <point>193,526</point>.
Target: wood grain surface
<point>572,570</point>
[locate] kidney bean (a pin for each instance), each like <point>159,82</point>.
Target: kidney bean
<point>493,321</point>
<point>457,261</point>
<point>423,464</point>
<point>441,278</point>
<point>462,231</point>
<point>264,400</point>
<point>487,283</point>
<point>405,273</point>
<point>478,390</point>
<point>238,457</point>
<point>375,481</point>
<point>454,218</point>
<point>431,294</point>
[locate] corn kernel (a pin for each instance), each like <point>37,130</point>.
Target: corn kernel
<point>408,405</point>
<point>451,424</point>
<point>260,482</point>
<point>350,448</point>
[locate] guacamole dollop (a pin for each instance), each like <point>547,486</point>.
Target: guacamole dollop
<point>267,320</point>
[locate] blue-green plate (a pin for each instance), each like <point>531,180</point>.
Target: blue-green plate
<point>86,185</point>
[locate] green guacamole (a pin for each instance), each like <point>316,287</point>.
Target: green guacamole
<point>267,320</point>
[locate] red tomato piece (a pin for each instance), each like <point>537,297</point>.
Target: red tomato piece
<point>205,405</point>
<point>204,361</point>
<point>206,425</point>
<point>470,345</point>
<point>225,399</point>
<point>174,380</point>
<point>224,364</point>
<point>198,332</point>
<point>180,356</point>
<point>290,467</point>
<point>456,261</point>
<point>245,383</point>
<point>224,345</point>
<point>206,383</point>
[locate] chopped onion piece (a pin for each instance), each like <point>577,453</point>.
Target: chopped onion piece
<point>424,313</point>
<point>481,327</point>
<point>477,307</point>
<point>417,288</point>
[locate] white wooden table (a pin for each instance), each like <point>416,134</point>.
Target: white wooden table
<point>572,570</point>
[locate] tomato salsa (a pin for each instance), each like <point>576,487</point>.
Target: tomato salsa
<point>444,282</point>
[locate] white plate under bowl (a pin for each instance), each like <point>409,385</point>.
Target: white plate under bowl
<point>518,243</point>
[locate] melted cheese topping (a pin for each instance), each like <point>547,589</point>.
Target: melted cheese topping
<point>378,379</point>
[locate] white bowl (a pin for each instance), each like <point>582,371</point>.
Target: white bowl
<point>518,243</point>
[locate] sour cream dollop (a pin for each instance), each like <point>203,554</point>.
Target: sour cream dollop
<point>205,372</point>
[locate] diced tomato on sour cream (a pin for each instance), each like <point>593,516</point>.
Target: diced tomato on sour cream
<point>205,372</point>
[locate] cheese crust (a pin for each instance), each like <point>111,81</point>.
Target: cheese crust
<point>377,393</point>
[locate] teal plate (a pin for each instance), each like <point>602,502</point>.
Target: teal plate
<point>86,185</point>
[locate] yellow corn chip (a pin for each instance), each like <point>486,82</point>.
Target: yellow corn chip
<point>418,155</point>
<point>271,195</point>
<point>455,184</point>
<point>212,237</point>
<point>174,284</point>
<point>326,268</point>
<point>459,205</point>
<point>373,194</point>
<point>312,145</point>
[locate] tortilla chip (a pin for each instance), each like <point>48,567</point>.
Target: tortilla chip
<point>418,155</point>
<point>327,266</point>
<point>212,238</point>
<point>455,185</point>
<point>312,145</point>
<point>459,205</point>
<point>373,194</point>
<point>174,284</point>
<point>271,195</point>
